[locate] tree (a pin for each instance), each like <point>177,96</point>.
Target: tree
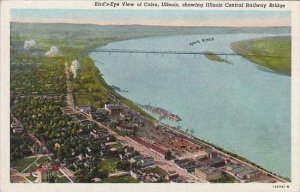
<point>124,165</point>
<point>103,173</point>
<point>192,131</point>
<point>187,130</point>
<point>169,155</point>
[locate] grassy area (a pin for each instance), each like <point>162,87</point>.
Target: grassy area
<point>36,165</point>
<point>123,179</point>
<point>32,168</point>
<point>109,164</point>
<point>117,145</point>
<point>89,87</point>
<point>214,57</point>
<point>42,160</point>
<point>23,163</point>
<point>272,46</point>
<point>31,178</point>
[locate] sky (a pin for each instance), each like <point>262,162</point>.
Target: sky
<point>154,17</point>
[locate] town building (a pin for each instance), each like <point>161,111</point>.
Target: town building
<point>47,172</point>
<point>188,164</point>
<point>216,162</point>
<point>208,173</point>
<point>245,173</point>
<point>125,116</point>
<point>99,133</point>
<point>84,109</point>
<point>38,147</point>
<point>113,109</point>
<point>144,162</point>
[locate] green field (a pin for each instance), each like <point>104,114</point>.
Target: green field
<point>109,165</point>
<point>42,160</point>
<point>271,52</point>
<point>23,163</point>
<point>214,57</point>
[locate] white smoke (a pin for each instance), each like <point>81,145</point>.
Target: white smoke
<point>28,44</point>
<point>74,67</point>
<point>52,52</point>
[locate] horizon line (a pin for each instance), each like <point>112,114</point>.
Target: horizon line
<point>24,22</point>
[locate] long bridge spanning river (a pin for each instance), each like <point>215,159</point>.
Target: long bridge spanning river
<point>130,51</point>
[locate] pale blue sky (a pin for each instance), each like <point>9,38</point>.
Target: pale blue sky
<point>154,17</point>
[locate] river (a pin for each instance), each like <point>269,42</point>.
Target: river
<point>239,107</point>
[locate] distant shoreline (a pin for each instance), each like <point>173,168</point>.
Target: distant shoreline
<point>275,51</point>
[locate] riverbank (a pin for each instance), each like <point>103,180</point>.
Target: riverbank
<point>231,154</point>
<point>273,53</point>
<point>226,153</point>
<point>119,67</point>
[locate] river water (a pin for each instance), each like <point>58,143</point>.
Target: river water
<point>239,107</point>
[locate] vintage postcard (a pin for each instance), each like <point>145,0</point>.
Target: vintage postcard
<point>150,96</point>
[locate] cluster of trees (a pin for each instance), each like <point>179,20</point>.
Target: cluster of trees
<point>19,147</point>
<point>44,118</point>
<point>169,155</point>
<point>48,77</point>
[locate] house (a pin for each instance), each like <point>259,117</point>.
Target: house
<point>84,109</point>
<point>100,115</point>
<point>208,173</point>
<point>48,172</point>
<point>16,126</point>
<point>38,148</point>
<point>99,133</point>
<point>144,162</point>
<point>113,109</point>
<point>125,116</point>
<point>18,129</point>
<point>187,164</point>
